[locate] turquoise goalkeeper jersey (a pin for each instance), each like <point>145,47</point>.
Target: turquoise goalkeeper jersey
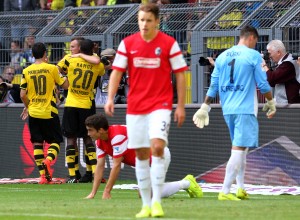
<point>236,77</point>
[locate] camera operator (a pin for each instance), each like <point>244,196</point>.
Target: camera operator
<point>284,76</point>
<point>9,91</point>
<point>107,58</point>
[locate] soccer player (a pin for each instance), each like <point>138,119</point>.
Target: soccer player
<point>237,73</point>
<point>38,95</point>
<point>82,76</point>
<point>95,59</point>
<point>150,57</point>
<point>112,140</point>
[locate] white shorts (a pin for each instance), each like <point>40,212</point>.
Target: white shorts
<point>142,128</point>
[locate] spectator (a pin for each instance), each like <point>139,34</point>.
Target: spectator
<point>4,56</point>
<point>70,3</point>
<point>18,58</point>
<point>283,77</point>
<point>57,5</point>
<point>19,28</point>
<point>107,57</point>
<point>113,2</point>
<point>230,20</point>
<point>112,140</point>
<point>13,89</point>
<point>28,43</point>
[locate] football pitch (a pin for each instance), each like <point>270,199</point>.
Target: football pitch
<point>66,201</point>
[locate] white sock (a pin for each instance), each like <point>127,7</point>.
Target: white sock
<point>232,168</point>
<point>241,174</point>
<point>171,188</point>
<point>158,175</point>
<point>142,172</point>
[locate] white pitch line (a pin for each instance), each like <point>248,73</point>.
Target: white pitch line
<point>72,216</point>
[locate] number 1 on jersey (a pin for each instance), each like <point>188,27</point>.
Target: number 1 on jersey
<point>231,63</point>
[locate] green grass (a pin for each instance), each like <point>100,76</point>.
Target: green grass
<point>65,201</point>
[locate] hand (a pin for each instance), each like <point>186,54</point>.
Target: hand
<point>179,116</point>
<point>24,114</point>
<point>109,108</point>
<point>201,117</point>
<point>298,60</point>
<point>90,196</point>
<point>106,195</point>
<point>270,107</point>
<point>211,61</point>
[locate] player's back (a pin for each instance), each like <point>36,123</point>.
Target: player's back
<point>40,80</point>
<point>239,68</point>
<point>82,76</point>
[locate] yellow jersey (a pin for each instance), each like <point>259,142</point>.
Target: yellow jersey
<point>39,80</point>
<point>82,76</point>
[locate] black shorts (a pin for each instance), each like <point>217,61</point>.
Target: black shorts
<point>93,108</point>
<point>73,122</point>
<point>48,130</point>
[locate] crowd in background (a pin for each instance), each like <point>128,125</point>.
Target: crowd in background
<point>15,51</point>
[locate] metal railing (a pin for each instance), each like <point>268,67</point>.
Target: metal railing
<point>201,29</point>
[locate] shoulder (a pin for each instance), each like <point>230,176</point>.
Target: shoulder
<point>131,38</point>
<point>166,36</point>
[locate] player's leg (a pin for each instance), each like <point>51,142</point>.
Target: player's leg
<point>53,136</point>
<point>91,159</point>
<point>70,129</point>
<point>77,172</point>
<point>243,131</point>
<point>241,192</point>
<point>138,139</point>
<point>88,176</point>
<point>88,142</point>
<point>37,140</point>
<point>248,126</point>
<point>171,188</point>
<point>159,124</point>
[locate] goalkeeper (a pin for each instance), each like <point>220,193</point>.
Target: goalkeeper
<point>237,73</point>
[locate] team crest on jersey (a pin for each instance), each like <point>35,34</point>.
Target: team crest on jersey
<point>157,51</point>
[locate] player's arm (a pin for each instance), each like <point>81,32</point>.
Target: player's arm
<point>97,177</point>
<point>24,97</point>
<point>65,85</point>
<point>114,82</point>
<point>179,115</point>
<point>25,100</point>
<point>91,59</point>
<point>114,173</point>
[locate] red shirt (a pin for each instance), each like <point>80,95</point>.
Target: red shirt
<point>149,66</point>
<point>116,145</point>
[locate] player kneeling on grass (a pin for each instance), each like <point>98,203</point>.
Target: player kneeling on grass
<point>112,140</point>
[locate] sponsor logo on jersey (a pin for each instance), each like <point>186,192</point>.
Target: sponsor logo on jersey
<point>133,51</point>
<point>150,63</point>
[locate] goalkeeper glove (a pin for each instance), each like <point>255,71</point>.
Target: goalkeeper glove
<point>270,107</point>
<point>201,117</point>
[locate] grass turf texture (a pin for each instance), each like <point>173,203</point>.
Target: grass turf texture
<point>66,201</point>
